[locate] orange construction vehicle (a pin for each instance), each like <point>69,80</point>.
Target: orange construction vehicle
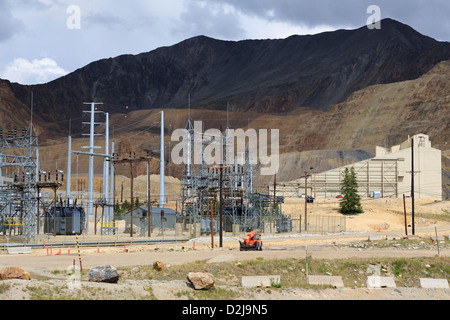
<point>251,242</point>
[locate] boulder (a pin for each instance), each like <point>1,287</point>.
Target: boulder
<point>128,229</point>
<point>159,266</point>
<point>201,280</point>
<point>14,273</point>
<point>107,274</point>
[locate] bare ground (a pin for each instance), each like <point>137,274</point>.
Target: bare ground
<point>381,218</point>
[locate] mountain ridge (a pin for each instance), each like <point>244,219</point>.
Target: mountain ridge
<point>267,76</point>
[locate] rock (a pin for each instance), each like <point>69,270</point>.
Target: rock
<point>107,274</point>
<point>134,270</point>
<point>8,273</point>
<point>159,266</point>
<point>201,280</point>
<point>128,229</point>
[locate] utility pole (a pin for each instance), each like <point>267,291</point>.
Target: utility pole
<point>91,160</point>
<point>149,201</point>
<point>220,209</point>
<point>412,184</point>
<point>131,160</point>
<point>212,226</point>
<point>131,197</point>
<point>221,205</point>
<point>404,211</point>
<point>314,184</point>
<point>306,201</point>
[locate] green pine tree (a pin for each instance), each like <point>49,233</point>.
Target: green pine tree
<point>351,201</point>
<point>137,202</point>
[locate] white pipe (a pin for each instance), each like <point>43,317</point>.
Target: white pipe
<point>91,169</point>
<point>106,167</point>
<point>111,187</point>
<point>162,197</point>
<point>69,170</point>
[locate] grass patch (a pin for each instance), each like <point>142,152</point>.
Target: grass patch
<point>354,272</point>
<point>4,287</point>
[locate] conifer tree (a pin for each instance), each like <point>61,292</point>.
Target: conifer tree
<point>351,201</point>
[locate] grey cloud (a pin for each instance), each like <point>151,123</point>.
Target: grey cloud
<point>208,19</point>
<point>8,24</point>
<point>428,17</point>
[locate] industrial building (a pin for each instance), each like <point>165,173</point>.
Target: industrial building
<point>388,174</point>
<point>161,218</point>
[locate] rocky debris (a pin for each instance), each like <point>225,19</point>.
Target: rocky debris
<point>9,273</point>
<point>107,274</point>
<point>201,280</point>
<point>135,270</point>
<point>159,266</point>
<point>128,229</point>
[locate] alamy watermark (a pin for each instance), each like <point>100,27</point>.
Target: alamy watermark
<point>74,281</point>
<point>73,22</point>
<point>215,148</point>
<point>374,21</point>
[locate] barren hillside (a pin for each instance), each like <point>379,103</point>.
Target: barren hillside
<point>348,132</point>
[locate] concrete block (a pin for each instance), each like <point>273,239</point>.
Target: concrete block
<point>374,237</point>
<point>236,229</point>
<point>380,282</point>
<point>178,229</point>
<point>433,283</point>
<point>335,281</point>
<point>19,250</point>
<point>259,281</point>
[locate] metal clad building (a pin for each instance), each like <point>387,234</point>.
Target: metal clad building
<point>388,174</point>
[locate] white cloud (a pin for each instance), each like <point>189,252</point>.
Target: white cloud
<point>36,71</point>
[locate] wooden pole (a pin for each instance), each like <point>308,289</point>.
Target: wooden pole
<point>220,210</point>
<point>54,217</point>
<point>149,201</point>
<point>404,210</point>
<point>37,214</point>
<point>131,197</point>
<point>314,184</point>
<point>412,186</point>
<point>306,201</point>
<point>212,227</point>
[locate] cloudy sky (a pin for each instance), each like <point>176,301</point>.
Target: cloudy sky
<point>41,40</point>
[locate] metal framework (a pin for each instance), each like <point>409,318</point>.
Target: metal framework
<point>376,174</point>
<point>214,188</point>
<point>18,200</point>
<point>21,202</point>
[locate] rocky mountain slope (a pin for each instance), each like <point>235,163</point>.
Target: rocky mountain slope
<point>381,115</point>
<point>333,96</point>
<point>270,76</point>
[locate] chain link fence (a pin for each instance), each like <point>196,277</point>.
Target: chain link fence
<point>164,227</point>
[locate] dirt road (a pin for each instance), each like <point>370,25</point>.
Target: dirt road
<point>275,247</point>
<point>351,244</point>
